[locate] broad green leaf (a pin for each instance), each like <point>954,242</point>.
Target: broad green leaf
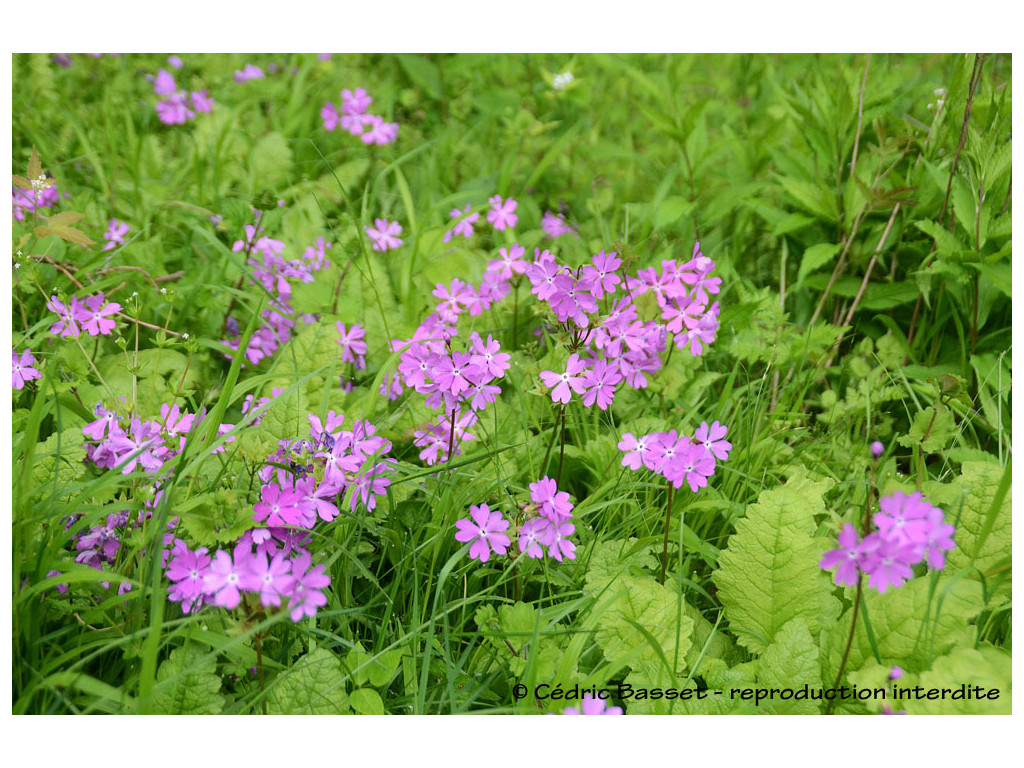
<point>904,625</point>
<point>946,242</point>
<point>790,662</point>
<point>59,458</point>
<point>769,573</point>
<point>608,560</point>
<point>366,701</point>
<point>979,482</point>
<point>270,161</point>
<point>813,198</point>
<point>187,684</point>
<point>639,623</point>
<point>987,667</point>
<point>314,685</point>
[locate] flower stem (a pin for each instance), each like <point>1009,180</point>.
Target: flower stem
<point>554,433</point>
<point>664,544</point>
<point>849,640</point>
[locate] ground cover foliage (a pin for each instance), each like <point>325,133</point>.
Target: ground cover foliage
<point>510,373</point>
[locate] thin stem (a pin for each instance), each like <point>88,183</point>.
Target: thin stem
<point>849,641</point>
<point>554,433</point>
<point>664,543</point>
<point>561,449</point>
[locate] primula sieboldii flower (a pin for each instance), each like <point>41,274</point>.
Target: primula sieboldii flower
<point>25,200</point>
<point>464,226</point>
<point>307,591</point>
<point>22,369</point>
<point>384,234</point>
<point>593,706</point>
<point>187,570</point>
<point>486,530</point>
<point>330,116</point>
<point>227,576</point>
<point>174,110</point>
<point>535,533</point>
<point>378,132</point>
<point>201,101</point>
<point>502,214</point>
<point>600,381</point>
<point>355,102</point>
<point>555,225</point>
<point>909,530</point>
<point>163,83</point>
<point>67,326</point>
<point>511,262</point>
<point>114,235</point>
<point>713,439</point>
<point>353,344</point>
<point>678,458</point>
<point>249,72</point>
<point>571,379</point>
<point>94,315</point>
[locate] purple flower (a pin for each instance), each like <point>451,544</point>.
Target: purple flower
<point>379,132</point>
<point>187,570</point>
<point>273,577</point>
<point>535,533</point>
<point>67,325</point>
<point>249,72</point>
<point>22,369</point>
<point>511,262</point>
<point>486,530</point>
<point>163,83</point>
<point>464,226</point>
<point>175,62</point>
<point>384,234</point>
<point>560,545</point>
<point>555,225</point>
<point>174,110</point>
<point>307,591</point>
<point>353,344</point>
<point>636,450</point>
<point>877,449</point>
<point>502,214</point>
<point>552,503</point>
<point>712,438</point>
<point>278,507</point>
<point>114,235</point>
<point>851,555</point>
<point>201,101</point>
<point>94,315</point>
<point>592,706</point>
<point>561,383</point>
<point>600,384</point>
<point>330,115</point>
<point>488,356</point>
<point>889,564</point>
<point>228,576</point>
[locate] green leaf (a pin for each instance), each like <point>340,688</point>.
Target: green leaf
<point>611,559</point>
<point>366,701</point>
<point>639,623</point>
<point>931,429</point>
<point>313,686</point>
<point>813,198</point>
<point>979,482</point>
<point>187,684</point>
<point>945,241</point>
<point>987,667</point>
<point>270,161</point>
<point>769,573</point>
<point>422,72</point>
<point>816,257</point>
<point>904,625</point>
<point>790,662</point>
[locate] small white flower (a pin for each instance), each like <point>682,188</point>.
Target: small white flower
<point>184,336</point>
<point>561,80</point>
<point>163,291</point>
<point>134,294</point>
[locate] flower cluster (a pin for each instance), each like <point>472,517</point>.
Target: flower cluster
<point>273,272</point>
<point>676,457</point>
<point>545,525</point>
<point>174,108</point>
<point>274,569</point>
<point>908,531</point>
<point>93,314</point>
<point>30,200</point>
<point>247,73</point>
<point>23,368</point>
<point>592,706</point>
<point>354,118</point>
<point>501,216</point>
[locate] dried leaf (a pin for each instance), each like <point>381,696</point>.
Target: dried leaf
<point>35,168</point>
<point>71,234</point>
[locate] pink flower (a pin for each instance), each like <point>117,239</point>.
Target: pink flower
<point>712,438</point>
<point>306,594</point>
<point>636,450</point>
<point>228,576</point>
<point>250,72</point>
<point>535,533</point>
<point>114,235</point>
<point>850,556</point>
<point>174,110</point>
<point>465,226</point>
<point>555,225</point>
<point>21,368</point>
<point>593,706</point>
<point>561,383</point>
<point>67,325</point>
<point>379,133</point>
<point>600,384</point>
<point>511,262</point>
<point>329,114</point>
<point>501,214</point>
<point>278,507</point>
<point>201,101</point>
<point>355,103</point>
<point>489,356</point>
<point>552,503</point>
<point>486,530</point>
<point>272,578</point>
<point>163,83</point>
<point>353,344</point>
<point>384,234</point>
<point>94,316</point>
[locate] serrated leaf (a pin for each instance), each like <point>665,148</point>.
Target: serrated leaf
<point>71,234</point>
<point>65,218</point>
<point>790,662</point>
<point>931,429</point>
<point>945,241</point>
<point>979,482</point>
<point>270,161</point>
<point>366,701</point>
<point>812,197</point>
<point>816,257</point>
<point>35,167</point>
<point>986,666</point>
<point>21,182</point>
<point>639,623</point>
<point>313,686</point>
<point>769,573</point>
<point>904,625</point>
<point>187,684</point>
<point>614,558</point>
